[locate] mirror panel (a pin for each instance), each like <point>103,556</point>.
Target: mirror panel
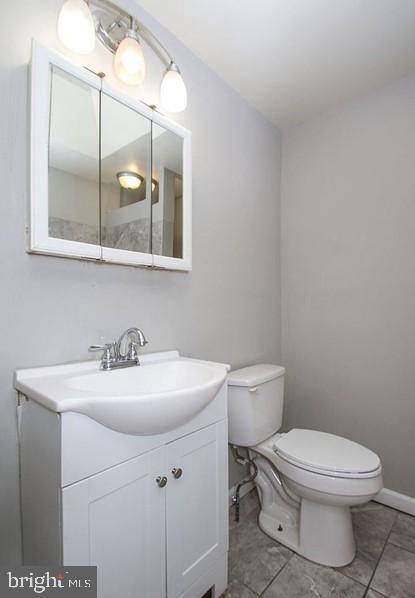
<point>73,164</point>
<point>167,193</point>
<point>125,172</point>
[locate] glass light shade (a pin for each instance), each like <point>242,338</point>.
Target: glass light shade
<point>76,29</point>
<point>129,64</point>
<point>154,184</point>
<point>173,94</point>
<point>129,180</point>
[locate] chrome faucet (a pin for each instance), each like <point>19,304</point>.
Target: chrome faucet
<point>122,353</point>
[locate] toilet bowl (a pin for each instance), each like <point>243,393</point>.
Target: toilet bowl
<point>307,480</point>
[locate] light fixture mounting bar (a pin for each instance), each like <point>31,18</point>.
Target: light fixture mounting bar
<point>112,23</point>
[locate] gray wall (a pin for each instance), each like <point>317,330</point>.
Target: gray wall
<point>51,309</point>
<point>348,276</point>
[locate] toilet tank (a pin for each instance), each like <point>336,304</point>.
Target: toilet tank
<point>255,403</point>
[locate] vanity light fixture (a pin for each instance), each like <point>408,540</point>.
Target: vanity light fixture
<point>76,28</point>
<point>129,180</point>
<point>154,184</point>
<point>80,20</point>
<point>129,65</point>
<point>173,94</point>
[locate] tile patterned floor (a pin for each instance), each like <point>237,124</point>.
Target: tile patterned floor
<point>384,565</point>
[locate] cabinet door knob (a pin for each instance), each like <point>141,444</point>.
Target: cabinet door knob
<point>177,472</point>
<point>161,481</point>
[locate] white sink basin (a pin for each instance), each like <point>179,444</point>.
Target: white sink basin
<point>163,393</point>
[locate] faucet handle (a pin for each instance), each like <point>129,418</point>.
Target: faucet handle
<point>132,352</point>
<point>107,348</point>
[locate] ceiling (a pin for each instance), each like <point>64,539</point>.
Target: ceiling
<point>292,59</point>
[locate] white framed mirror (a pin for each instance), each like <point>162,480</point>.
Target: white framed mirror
<point>110,177</point>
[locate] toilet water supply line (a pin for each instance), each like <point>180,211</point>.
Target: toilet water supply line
<point>242,461</point>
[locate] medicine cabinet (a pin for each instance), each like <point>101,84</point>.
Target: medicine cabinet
<point>110,177</point>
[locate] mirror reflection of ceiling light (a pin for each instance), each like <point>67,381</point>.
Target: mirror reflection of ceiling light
<point>129,180</point>
<point>80,20</point>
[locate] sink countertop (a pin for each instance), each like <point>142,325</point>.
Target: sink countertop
<point>165,387</point>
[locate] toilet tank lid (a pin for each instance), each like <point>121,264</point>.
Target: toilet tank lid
<point>255,374</point>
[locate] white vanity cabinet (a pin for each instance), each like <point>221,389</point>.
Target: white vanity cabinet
<point>116,520</point>
<point>94,496</point>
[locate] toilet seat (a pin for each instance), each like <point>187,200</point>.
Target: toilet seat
<point>326,454</point>
<point>343,484</point>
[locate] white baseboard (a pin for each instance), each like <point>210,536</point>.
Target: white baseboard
<point>393,499</point>
<point>244,490</point>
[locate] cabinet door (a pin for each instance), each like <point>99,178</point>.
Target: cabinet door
<point>125,181</point>
<point>196,505</point>
<point>64,197</point>
<point>171,197</point>
<point>115,520</point>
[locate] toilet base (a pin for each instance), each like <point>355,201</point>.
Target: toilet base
<point>320,532</point>
<point>326,534</point>
<point>280,526</point>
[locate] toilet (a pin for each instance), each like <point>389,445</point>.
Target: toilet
<point>307,480</point>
